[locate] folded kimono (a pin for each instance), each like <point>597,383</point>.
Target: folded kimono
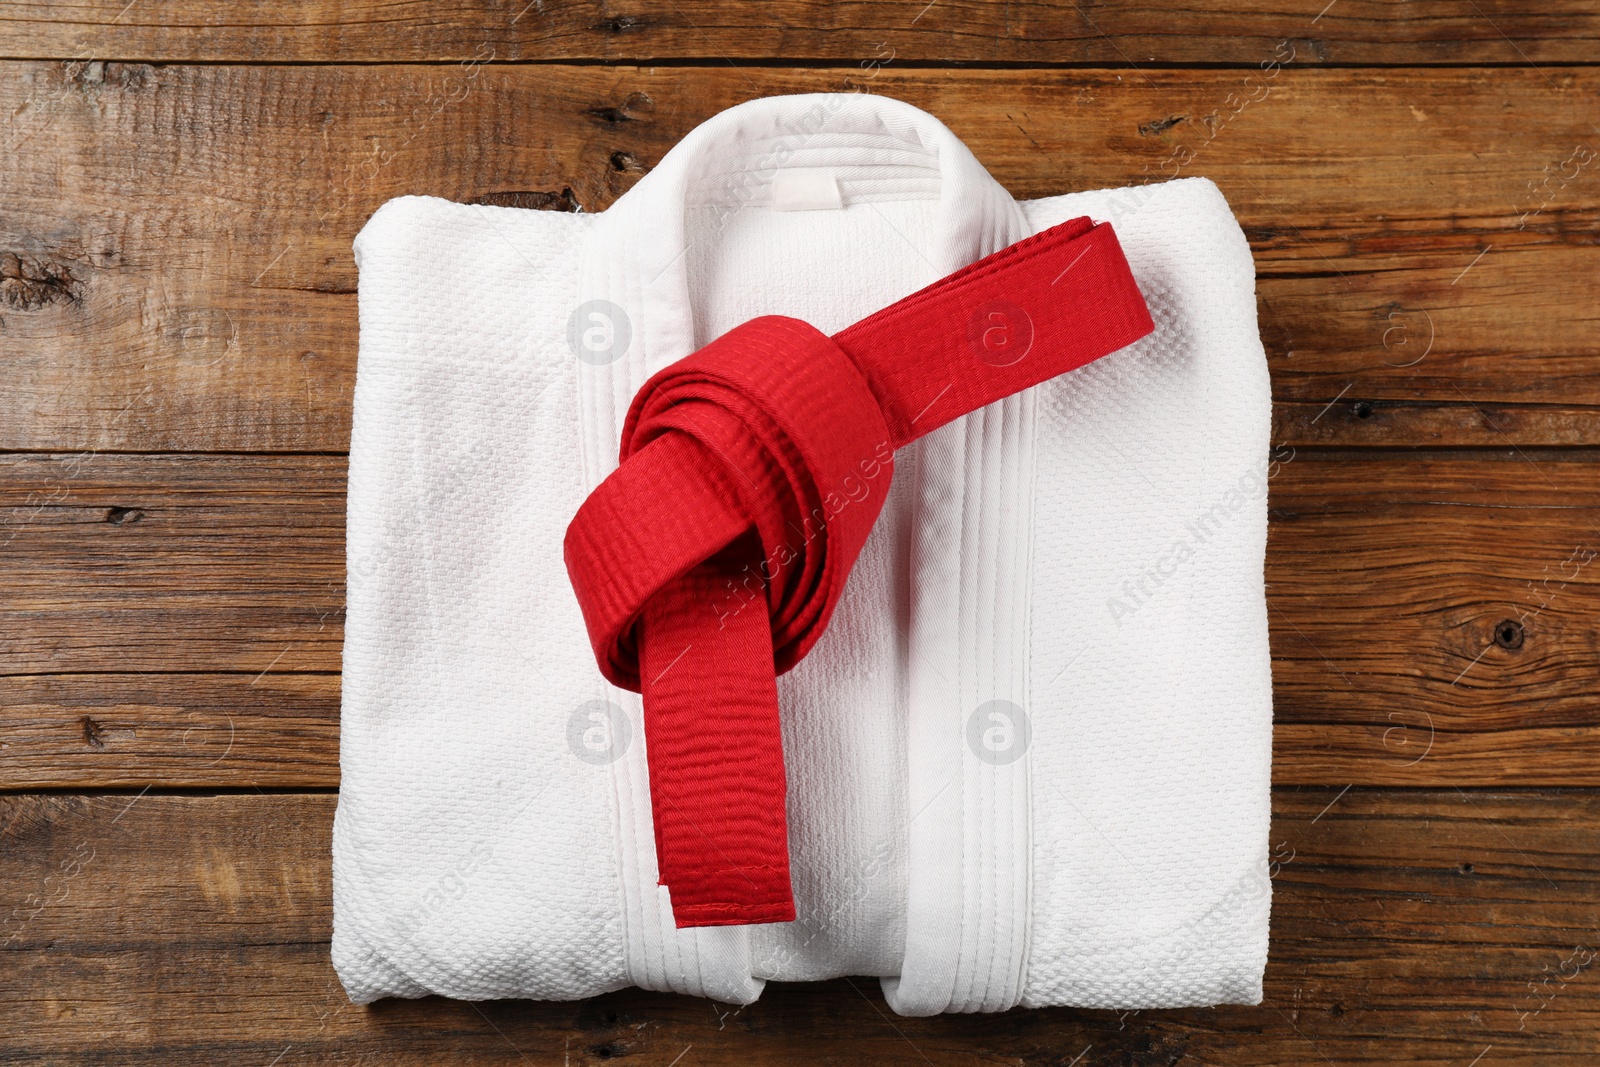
<point>1028,758</point>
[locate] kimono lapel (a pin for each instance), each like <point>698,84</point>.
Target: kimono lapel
<point>965,849</point>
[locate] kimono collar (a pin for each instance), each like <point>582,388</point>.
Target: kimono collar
<point>873,148</point>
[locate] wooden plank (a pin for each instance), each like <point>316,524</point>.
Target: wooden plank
<point>1354,31</point>
<point>175,268</point>
<point>195,562</point>
<point>274,729</point>
<point>1408,927</point>
<point>1433,619</point>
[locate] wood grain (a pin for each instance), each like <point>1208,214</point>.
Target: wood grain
<point>968,31</point>
<point>276,729</point>
<point>1407,927</point>
<point>176,279</point>
<point>175,268</point>
<point>1433,619</point>
<point>196,562</point>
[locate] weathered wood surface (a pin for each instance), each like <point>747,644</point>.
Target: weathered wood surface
<point>1408,927</point>
<point>175,267</point>
<point>1112,34</point>
<point>177,619</point>
<point>176,278</point>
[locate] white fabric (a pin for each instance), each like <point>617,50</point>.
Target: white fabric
<point>1029,761</point>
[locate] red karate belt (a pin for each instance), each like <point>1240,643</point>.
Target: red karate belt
<point>751,472</point>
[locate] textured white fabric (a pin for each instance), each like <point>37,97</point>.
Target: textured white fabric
<point>1028,763</point>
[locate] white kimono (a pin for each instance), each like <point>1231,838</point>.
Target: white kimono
<point>1028,763</point>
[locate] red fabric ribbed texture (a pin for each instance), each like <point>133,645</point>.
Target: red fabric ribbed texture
<point>749,476</point>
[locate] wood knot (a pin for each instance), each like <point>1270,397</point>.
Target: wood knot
<point>616,116</point>
<point>627,163</point>
<point>28,283</point>
<point>123,516</point>
<point>91,74</point>
<point>93,733</point>
<point>620,24</point>
<point>1509,634</point>
<point>1160,126</point>
<point>529,198</point>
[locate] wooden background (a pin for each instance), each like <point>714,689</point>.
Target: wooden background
<point>1420,184</point>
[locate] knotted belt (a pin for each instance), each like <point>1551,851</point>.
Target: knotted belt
<point>751,472</point>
